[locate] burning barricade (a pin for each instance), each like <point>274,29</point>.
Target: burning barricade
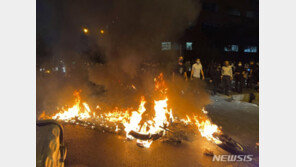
<point>131,123</point>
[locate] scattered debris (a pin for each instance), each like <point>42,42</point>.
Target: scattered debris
<point>208,152</point>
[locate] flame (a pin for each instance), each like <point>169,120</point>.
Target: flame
<point>207,129</point>
<point>81,111</point>
<point>159,121</point>
<point>135,119</point>
<point>131,120</point>
<point>134,87</point>
<point>186,121</point>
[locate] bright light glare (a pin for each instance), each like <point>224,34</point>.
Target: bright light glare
<point>85,30</point>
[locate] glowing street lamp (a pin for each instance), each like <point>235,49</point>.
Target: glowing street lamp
<point>85,30</point>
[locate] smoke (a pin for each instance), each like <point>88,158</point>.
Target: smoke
<point>133,29</point>
<point>133,32</point>
<point>141,26</point>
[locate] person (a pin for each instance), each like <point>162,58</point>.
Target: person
<point>186,70</point>
<point>251,77</point>
<point>232,64</point>
<point>180,65</point>
<point>215,74</point>
<point>179,68</point>
<point>226,77</point>
<point>197,71</point>
<point>239,77</point>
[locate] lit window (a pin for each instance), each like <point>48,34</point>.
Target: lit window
<point>166,46</point>
<point>251,49</point>
<point>188,45</point>
<point>231,48</point>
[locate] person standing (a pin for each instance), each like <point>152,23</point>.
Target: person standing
<point>215,73</point>
<point>239,77</point>
<point>178,71</point>
<point>251,78</point>
<point>197,71</point>
<point>226,77</point>
<point>187,70</point>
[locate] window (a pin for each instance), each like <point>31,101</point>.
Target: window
<point>250,49</point>
<point>166,46</point>
<point>175,46</point>
<point>188,45</point>
<point>231,48</point>
<point>234,12</point>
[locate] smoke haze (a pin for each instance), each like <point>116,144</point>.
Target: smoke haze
<point>133,32</point>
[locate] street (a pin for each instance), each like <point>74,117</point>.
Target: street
<point>90,148</point>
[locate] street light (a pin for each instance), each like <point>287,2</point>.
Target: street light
<point>85,30</point>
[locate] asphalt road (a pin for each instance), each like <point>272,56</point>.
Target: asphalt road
<point>91,148</point>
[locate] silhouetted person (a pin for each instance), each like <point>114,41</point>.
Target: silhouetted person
<point>186,68</point>
<point>239,77</point>
<point>179,68</point>
<point>251,77</point>
<point>215,75</point>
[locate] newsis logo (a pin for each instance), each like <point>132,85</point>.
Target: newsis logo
<point>233,158</point>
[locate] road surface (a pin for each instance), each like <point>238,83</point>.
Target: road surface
<point>91,148</point>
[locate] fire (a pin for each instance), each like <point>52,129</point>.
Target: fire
<point>186,121</point>
<point>207,129</point>
<point>135,119</point>
<point>131,121</point>
<point>134,87</point>
<point>80,110</point>
<point>159,121</point>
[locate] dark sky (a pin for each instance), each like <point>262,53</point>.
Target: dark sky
<point>134,28</point>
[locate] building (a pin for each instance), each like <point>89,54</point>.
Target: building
<point>227,29</point>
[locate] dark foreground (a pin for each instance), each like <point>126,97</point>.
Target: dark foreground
<point>90,148</point>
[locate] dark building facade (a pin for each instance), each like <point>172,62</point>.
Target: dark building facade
<point>224,30</point>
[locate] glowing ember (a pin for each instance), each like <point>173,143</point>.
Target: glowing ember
<point>134,87</point>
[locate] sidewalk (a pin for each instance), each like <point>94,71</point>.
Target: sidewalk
<point>245,96</point>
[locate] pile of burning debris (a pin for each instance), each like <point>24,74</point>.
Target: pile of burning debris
<point>130,123</point>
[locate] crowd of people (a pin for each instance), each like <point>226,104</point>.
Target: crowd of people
<point>224,78</point>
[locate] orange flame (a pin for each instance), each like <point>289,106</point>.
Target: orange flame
<point>163,116</point>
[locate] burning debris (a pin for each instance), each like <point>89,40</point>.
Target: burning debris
<point>163,124</point>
